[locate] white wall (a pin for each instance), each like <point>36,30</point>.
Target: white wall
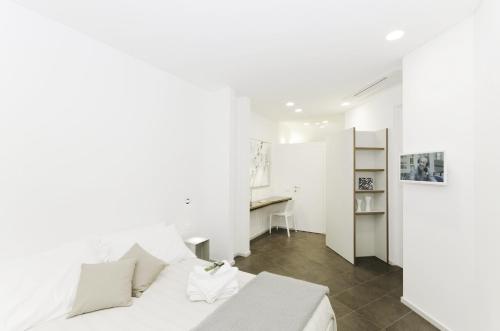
<point>438,114</point>
<point>377,112</point>
<point>487,166</point>
<point>242,195</point>
<point>93,140</point>
<point>383,110</point>
<point>215,212</point>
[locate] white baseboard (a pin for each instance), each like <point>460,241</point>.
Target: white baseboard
<point>258,234</point>
<point>246,254</point>
<point>274,227</point>
<point>424,315</point>
<point>395,264</point>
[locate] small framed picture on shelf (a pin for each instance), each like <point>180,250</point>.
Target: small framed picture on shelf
<point>365,184</point>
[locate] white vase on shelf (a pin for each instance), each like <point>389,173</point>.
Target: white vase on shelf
<point>358,205</point>
<point>368,203</point>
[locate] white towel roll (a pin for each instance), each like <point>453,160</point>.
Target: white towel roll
<point>203,286</point>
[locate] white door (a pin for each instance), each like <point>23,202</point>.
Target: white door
<point>298,171</point>
<point>339,193</point>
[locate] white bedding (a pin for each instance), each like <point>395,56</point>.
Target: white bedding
<point>165,306</point>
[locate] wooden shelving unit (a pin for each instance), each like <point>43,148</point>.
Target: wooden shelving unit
<point>370,151</point>
<point>351,155</point>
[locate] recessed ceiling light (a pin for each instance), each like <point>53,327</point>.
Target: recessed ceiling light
<point>317,123</point>
<point>395,35</point>
<point>307,123</point>
<point>345,104</point>
<point>298,110</point>
<point>290,104</point>
<point>324,122</point>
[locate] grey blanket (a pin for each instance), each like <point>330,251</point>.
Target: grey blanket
<point>268,302</point>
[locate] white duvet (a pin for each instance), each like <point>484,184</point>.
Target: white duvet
<point>165,306</point>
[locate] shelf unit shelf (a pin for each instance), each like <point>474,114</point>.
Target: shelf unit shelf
<point>369,191</point>
<point>369,170</point>
<point>375,212</point>
<point>370,148</point>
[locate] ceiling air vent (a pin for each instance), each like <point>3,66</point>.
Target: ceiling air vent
<point>369,88</point>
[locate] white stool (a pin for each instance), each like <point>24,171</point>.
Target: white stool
<point>286,213</point>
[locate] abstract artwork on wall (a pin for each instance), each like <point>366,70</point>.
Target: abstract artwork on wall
<point>260,163</point>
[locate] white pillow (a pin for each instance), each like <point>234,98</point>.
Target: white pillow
<point>159,240</point>
<point>42,287</point>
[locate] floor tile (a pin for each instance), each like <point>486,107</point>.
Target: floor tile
<point>338,282</point>
<point>375,265</point>
<point>388,281</point>
<point>360,295</point>
<point>412,322</point>
<point>355,322</point>
<point>362,275</point>
<point>397,292</point>
<point>339,308</point>
<point>384,311</point>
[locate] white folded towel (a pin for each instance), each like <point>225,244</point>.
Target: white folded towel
<point>204,286</point>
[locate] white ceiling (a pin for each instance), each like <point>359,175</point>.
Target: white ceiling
<point>315,53</point>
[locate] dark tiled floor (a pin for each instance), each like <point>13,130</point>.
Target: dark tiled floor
<point>364,297</point>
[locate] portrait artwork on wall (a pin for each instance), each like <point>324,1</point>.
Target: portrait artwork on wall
<point>260,163</point>
<point>428,168</point>
<point>365,184</point>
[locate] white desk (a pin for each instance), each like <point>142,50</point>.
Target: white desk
<point>259,213</point>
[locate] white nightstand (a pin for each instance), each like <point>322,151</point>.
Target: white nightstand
<point>199,246</point>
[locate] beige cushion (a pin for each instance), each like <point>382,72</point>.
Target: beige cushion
<point>148,267</point>
<point>104,285</point>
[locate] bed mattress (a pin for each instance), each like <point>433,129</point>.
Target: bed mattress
<point>165,306</point>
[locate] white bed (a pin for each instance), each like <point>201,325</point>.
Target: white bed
<point>165,306</point>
